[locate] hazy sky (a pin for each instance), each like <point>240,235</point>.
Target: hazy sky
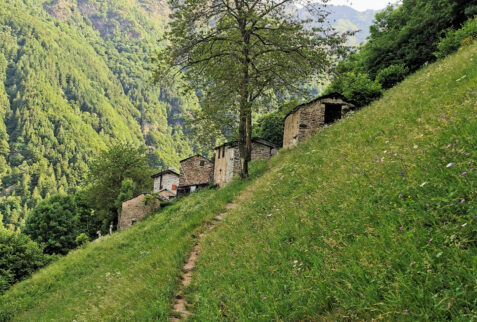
<point>362,5</point>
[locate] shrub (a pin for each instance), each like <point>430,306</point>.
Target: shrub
<point>454,39</point>
<point>19,257</point>
<point>53,224</point>
<point>356,87</point>
<point>270,128</point>
<point>82,239</point>
<point>391,75</point>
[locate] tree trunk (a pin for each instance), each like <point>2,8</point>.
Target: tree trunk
<point>245,114</point>
<point>243,142</point>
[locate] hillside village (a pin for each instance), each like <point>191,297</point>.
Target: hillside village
<point>197,172</point>
<point>359,205</point>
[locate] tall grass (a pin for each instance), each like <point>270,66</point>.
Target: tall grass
<point>128,275</point>
<point>373,218</point>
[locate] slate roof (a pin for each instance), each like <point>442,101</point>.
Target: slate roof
<point>330,95</point>
<point>256,140</point>
<point>164,172</point>
<point>197,155</point>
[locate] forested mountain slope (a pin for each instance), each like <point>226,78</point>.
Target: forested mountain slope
<point>73,77</point>
<point>372,218</point>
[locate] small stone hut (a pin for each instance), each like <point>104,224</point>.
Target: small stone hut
<point>136,209</point>
<point>305,120</point>
<point>227,158</point>
<point>166,183</point>
<point>196,172</point>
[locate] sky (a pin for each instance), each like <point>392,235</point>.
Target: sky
<point>362,5</point>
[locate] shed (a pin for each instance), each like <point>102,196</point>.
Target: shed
<point>227,158</point>
<point>196,172</point>
<point>305,119</point>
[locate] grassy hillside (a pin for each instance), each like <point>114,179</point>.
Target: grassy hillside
<point>132,274</point>
<point>374,217</point>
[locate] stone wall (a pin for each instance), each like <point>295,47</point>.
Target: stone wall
<point>196,170</point>
<point>228,164</point>
<point>135,210</point>
<point>307,119</point>
<point>169,181</point>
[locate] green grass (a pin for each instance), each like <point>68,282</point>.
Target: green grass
<point>364,221</point>
<point>132,274</point>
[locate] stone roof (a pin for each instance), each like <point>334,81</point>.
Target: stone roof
<point>164,172</point>
<point>254,140</point>
<point>330,95</point>
<point>195,156</point>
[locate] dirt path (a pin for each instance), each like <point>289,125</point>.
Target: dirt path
<point>181,312</point>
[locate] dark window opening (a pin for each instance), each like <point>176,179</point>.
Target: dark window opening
<point>218,154</point>
<point>223,152</point>
<point>332,113</point>
<point>133,221</point>
<point>303,126</point>
<point>202,163</point>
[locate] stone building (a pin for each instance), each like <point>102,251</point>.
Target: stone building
<point>305,120</point>
<point>227,158</point>
<point>166,183</point>
<point>196,172</point>
<point>136,209</point>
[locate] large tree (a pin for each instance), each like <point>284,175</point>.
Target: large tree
<point>236,52</point>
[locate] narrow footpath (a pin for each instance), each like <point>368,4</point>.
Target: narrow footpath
<point>181,311</point>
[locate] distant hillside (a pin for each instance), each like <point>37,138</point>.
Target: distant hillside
<point>373,218</point>
<point>74,77</point>
<point>345,18</point>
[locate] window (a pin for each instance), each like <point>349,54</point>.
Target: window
<point>202,163</point>
<point>161,187</point>
<point>218,154</point>
<point>223,152</point>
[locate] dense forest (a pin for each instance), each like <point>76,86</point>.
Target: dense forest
<point>74,78</point>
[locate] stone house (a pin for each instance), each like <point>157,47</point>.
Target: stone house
<point>166,183</point>
<point>136,209</point>
<point>305,119</point>
<point>196,172</point>
<point>227,158</point>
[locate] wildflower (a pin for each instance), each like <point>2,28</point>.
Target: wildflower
<point>450,165</point>
<point>423,184</point>
<point>400,195</point>
<point>464,224</point>
<point>269,215</point>
<point>430,240</point>
<point>411,264</point>
<point>408,197</point>
<point>401,228</point>
<point>462,201</point>
<point>464,173</point>
<point>415,147</point>
<point>405,311</point>
<point>264,298</point>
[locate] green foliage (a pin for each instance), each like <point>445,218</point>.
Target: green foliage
<point>357,87</point>
<point>391,76</point>
<point>127,191</point>
<point>107,177</point>
<point>19,258</point>
<point>53,224</point>
<point>88,222</point>
<point>73,76</point>
<point>137,267</point>
<point>270,127</point>
<point>82,239</point>
<point>454,39</point>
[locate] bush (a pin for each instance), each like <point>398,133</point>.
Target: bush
<point>19,257</point>
<point>82,239</point>
<point>391,75</point>
<point>454,39</point>
<point>53,224</point>
<point>270,128</point>
<point>357,87</point>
